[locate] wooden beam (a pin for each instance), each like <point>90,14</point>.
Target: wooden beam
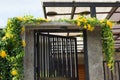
<point>73,12</point>
<point>111,12</point>
<point>81,4</point>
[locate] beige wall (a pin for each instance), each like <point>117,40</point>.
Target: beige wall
<point>117,56</point>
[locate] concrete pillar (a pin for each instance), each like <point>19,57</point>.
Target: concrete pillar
<point>29,55</point>
<point>94,53</point>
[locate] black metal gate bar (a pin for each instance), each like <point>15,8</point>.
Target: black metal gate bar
<point>118,62</point>
<point>112,75</point>
<point>53,57</point>
<point>43,56</point>
<point>71,58</point>
<point>62,52</point>
<point>64,58</point>
<point>56,56</point>
<point>76,59</point>
<point>38,55</point>
<point>35,60</point>
<point>39,59</point>
<point>75,51</point>
<point>66,53</point>
<point>104,68</point>
<point>48,59</point>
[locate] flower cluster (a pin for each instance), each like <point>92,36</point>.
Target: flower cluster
<point>106,34</point>
<point>12,47</point>
<point>85,23</point>
<point>108,42</point>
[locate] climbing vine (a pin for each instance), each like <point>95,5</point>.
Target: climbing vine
<point>108,43</point>
<point>12,45</point>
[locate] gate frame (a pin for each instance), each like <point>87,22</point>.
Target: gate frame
<point>65,27</point>
<point>39,32</point>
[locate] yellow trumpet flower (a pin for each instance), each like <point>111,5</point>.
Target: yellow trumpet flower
<point>22,30</point>
<point>20,18</point>
<point>78,24</point>
<point>14,72</point>
<point>9,35</point>
<point>85,27</point>
<point>109,24</point>
<point>90,28</point>
<point>109,65</point>
<point>3,54</point>
<point>23,43</point>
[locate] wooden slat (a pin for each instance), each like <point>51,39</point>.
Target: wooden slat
<point>81,72</point>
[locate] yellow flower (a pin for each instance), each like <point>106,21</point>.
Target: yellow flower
<point>109,65</point>
<point>3,54</point>
<point>20,18</point>
<point>109,24</point>
<point>42,19</point>
<point>78,24</point>
<point>90,28</point>
<point>4,38</point>
<point>78,17</point>
<point>84,20</point>
<point>101,21</point>
<point>14,72</point>
<point>24,19</point>
<point>23,43</point>
<point>47,20</point>
<point>22,30</point>
<point>85,27</point>
<point>9,35</point>
<point>91,19</point>
<point>9,21</point>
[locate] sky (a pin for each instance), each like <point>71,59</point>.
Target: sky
<point>13,8</point>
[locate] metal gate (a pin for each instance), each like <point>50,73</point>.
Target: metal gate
<point>112,75</point>
<point>55,57</point>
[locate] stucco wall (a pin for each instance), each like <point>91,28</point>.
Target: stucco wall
<point>117,56</point>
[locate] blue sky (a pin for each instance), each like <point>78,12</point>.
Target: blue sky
<point>12,8</point>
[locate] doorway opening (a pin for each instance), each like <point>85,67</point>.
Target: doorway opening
<point>59,55</point>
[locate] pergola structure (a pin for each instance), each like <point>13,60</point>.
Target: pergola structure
<point>105,10</point>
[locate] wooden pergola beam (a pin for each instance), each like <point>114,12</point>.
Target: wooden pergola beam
<point>81,4</point>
